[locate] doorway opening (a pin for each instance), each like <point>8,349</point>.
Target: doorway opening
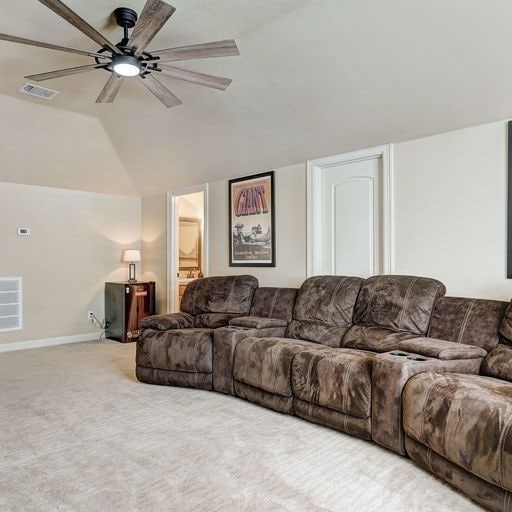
<point>187,241</point>
<point>349,214</point>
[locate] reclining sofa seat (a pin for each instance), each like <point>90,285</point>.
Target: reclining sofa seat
<point>177,349</point>
<point>458,426</point>
<point>322,369</point>
<point>270,313</point>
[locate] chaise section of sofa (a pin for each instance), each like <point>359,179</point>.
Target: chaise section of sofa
<point>177,349</point>
<point>458,426</point>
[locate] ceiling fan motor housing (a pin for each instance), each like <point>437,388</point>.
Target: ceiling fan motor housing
<point>125,17</point>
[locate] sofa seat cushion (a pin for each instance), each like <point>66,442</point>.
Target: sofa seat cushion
<point>265,363</point>
<point>339,379</point>
<point>183,350</point>
<point>464,418</point>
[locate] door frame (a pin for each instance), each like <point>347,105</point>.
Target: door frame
<point>314,201</point>
<point>172,241</point>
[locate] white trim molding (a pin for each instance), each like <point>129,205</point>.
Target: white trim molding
<point>172,247</point>
<point>48,342</point>
<point>313,208</point>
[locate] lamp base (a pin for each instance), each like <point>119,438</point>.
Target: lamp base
<point>131,273</point>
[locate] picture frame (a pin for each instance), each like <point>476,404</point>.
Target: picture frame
<point>189,244</point>
<point>252,241</point>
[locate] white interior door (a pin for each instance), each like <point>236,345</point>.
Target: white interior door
<point>351,218</point>
<point>350,213</point>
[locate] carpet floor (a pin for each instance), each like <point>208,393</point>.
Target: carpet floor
<point>79,433</point>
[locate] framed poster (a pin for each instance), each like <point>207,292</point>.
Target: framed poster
<point>252,221</point>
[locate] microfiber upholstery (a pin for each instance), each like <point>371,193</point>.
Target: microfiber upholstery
<point>177,349</point>
<point>390,309</point>
<point>468,321</point>
<point>324,308</point>
<point>339,379</point>
<point>465,419</point>
<point>228,294</point>
<point>274,303</point>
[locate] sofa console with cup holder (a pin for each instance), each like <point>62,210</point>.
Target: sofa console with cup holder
<point>388,359</point>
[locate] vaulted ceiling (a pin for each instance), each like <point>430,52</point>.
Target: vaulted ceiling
<point>314,78</point>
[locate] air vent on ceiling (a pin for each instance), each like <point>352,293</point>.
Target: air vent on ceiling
<point>10,304</point>
<point>38,91</point>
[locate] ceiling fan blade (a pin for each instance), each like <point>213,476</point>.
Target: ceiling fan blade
<point>72,17</point>
<point>160,91</point>
<point>215,82</point>
<point>153,17</point>
<point>109,92</point>
<point>22,40</point>
<point>65,72</point>
<point>225,48</point>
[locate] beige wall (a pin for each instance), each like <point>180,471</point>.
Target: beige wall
<point>450,215</point>
<point>76,245</point>
<point>290,199</point>
<point>450,210</point>
<point>42,145</point>
<point>154,246</point>
<point>290,202</point>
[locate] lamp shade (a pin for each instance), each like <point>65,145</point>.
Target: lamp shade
<point>131,255</point>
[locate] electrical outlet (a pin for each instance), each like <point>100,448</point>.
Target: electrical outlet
<point>90,315</point>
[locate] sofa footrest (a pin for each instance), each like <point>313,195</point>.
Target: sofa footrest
<point>173,378</point>
<point>359,427</point>
<point>259,396</point>
<point>486,494</point>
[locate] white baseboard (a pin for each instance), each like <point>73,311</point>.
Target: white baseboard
<point>48,342</point>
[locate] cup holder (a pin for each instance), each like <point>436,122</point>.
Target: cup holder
<point>398,353</point>
<point>417,358</point>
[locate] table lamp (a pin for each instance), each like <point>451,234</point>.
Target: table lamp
<point>131,256</point>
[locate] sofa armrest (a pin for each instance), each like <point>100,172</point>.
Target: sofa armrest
<point>167,322</point>
<point>390,373</point>
<point>441,349</point>
<point>225,341</point>
<point>258,322</point>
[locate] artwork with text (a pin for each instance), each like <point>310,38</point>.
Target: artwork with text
<point>251,221</point>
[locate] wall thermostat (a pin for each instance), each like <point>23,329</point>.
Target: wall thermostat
<point>24,231</point>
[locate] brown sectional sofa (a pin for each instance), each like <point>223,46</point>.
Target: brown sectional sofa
<point>388,359</point>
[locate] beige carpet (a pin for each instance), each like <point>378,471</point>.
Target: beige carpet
<point>79,433</point>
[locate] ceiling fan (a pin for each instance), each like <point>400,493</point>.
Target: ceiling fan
<point>129,57</point>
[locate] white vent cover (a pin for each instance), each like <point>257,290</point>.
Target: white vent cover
<point>38,91</point>
<point>10,303</point>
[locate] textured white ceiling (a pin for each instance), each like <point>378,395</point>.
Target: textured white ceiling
<point>314,78</point>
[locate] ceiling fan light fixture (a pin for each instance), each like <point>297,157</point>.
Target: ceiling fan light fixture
<point>126,65</point>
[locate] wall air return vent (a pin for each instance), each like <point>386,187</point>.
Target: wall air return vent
<point>10,304</point>
<point>38,91</point>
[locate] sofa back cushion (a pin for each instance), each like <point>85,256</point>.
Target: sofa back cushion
<point>498,363</point>
<point>274,303</point>
<point>468,321</point>
<point>229,294</point>
<point>390,309</point>
<point>324,308</point>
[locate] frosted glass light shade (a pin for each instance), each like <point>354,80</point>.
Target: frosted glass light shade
<point>131,255</point>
